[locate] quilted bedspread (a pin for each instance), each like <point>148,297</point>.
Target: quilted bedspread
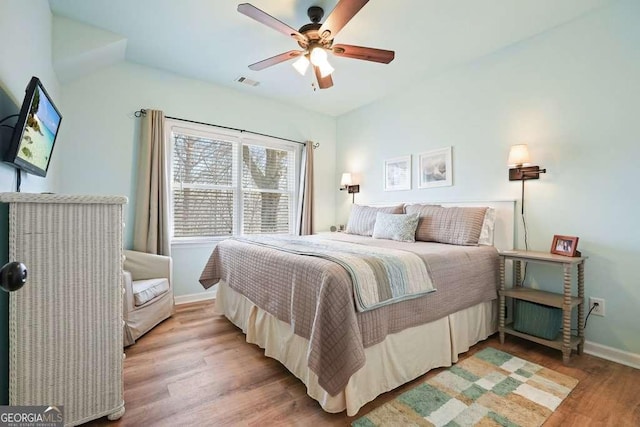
<point>380,276</point>
<point>315,295</point>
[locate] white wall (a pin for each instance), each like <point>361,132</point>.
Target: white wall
<point>573,95</point>
<point>25,31</point>
<point>100,157</point>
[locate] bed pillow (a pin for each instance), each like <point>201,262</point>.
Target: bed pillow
<point>488,227</point>
<point>455,225</point>
<point>363,218</point>
<point>400,227</point>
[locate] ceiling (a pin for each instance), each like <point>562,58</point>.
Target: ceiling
<point>209,40</point>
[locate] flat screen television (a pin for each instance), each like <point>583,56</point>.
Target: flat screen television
<point>35,131</point>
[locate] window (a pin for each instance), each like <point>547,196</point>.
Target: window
<point>225,184</point>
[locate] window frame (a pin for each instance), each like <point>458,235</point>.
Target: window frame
<point>238,139</point>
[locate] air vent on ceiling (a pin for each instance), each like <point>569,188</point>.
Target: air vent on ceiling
<point>247,81</point>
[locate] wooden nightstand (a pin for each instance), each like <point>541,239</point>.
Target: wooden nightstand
<point>565,301</point>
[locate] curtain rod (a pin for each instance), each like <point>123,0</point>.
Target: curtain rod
<point>141,112</point>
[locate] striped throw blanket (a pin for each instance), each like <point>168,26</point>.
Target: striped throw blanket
<point>380,276</point>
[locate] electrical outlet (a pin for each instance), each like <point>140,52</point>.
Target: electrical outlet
<point>599,310</point>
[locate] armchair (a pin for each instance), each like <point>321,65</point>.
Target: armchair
<point>148,293</point>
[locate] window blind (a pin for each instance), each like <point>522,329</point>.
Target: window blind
<point>222,186</point>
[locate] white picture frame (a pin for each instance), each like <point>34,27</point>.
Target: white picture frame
<point>435,168</point>
<point>397,173</point>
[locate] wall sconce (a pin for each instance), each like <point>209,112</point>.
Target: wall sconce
<point>346,183</point>
<point>519,157</point>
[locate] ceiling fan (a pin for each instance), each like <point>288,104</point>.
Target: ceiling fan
<point>316,39</point>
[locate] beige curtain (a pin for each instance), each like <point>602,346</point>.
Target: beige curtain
<point>151,228</point>
<point>305,198</point>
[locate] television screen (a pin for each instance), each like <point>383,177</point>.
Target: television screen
<point>35,131</point>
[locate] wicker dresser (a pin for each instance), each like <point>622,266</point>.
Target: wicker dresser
<point>65,324</point>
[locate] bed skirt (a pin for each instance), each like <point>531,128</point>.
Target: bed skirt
<point>400,358</point>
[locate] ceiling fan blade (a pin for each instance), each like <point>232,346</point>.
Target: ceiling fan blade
<point>275,60</point>
<point>339,16</point>
<point>364,53</point>
<point>264,18</point>
<point>323,82</point>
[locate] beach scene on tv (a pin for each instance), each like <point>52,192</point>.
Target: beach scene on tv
<point>39,132</point>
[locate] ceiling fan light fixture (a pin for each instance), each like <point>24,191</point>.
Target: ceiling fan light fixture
<point>316,39</point>
<point>318,56</point>
<point>325,69</point>
<point>301,65</point>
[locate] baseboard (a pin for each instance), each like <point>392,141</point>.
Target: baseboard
<point>200,296</point>
<point>613,354</point>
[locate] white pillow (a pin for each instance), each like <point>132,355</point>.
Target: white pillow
<point>488,227</point>
<point>400,227</point>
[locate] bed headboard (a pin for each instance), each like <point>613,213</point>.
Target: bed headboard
<point>504,232</point>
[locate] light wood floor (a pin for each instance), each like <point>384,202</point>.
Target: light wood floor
<point>195,369</point>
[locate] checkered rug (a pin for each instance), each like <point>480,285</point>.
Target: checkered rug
<point>490,388</point>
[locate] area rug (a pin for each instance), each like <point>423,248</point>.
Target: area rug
<point>490,388</point>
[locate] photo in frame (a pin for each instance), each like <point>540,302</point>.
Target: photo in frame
<point>565,245</point>
<point>435,168</point>
<point>397,173</point>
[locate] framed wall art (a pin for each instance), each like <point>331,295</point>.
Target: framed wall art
<point>397,173</point>
<point>434,168</point>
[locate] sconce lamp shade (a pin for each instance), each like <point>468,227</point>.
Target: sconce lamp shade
<point>346,183</point>
<point>519,155</point>
<point>346,180</point>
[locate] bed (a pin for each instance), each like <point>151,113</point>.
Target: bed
<point>304,308</point>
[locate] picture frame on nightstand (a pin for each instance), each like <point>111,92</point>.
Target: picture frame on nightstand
<point>565,245</point>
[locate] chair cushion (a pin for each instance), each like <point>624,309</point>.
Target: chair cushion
<point>148,289</point>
